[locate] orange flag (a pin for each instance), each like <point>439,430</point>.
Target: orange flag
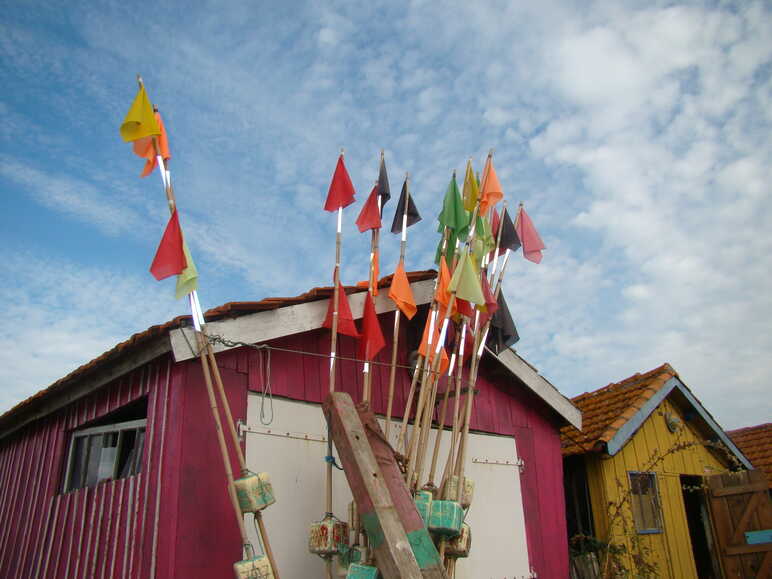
<point>444,361</point>
<point>401,294</point>
<point>490,190</point>
<point>443,295</point>
<point>144,148</point>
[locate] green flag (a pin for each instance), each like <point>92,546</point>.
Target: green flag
<point>484,242</point>
<point>453,214</point>
<point>466,281</point>
<point>187,281</point>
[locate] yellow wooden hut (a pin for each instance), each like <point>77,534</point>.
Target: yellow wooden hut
<point>635,476</point>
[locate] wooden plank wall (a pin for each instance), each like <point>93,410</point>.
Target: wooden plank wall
<point>502,407</point>
<point>670,550</point>
<point>108,531</point>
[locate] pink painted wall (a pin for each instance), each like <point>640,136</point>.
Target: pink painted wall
<point>101,532</point>
<point>503,406</point>
<point>174,518</point>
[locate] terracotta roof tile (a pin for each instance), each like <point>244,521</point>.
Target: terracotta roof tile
<point>608,409</point>
<point>755,442</point>
<point>228,310</point>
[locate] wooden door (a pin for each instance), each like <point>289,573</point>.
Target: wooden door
<point>740,504</point>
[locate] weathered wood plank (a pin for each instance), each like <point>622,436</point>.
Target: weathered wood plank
<point>379,516</point>
<point>272,324</point>
<point>420,541</point>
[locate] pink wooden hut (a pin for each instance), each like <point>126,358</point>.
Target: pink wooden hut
<point>113,470</point>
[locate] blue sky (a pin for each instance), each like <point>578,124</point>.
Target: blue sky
<point>636,133</point>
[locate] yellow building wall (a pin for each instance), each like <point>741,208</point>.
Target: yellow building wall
<point>653,448</point>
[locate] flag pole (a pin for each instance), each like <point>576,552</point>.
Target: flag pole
<point>397,312</point>
<point>204,354</point>
<point>421,362</point>
<point>371,283</point>
<point>333,346</point>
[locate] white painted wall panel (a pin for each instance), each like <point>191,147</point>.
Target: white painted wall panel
<point>296,466</point>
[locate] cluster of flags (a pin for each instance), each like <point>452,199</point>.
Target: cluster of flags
<point>144,128</point>
<point>340,195</point>
<point>474,234</point>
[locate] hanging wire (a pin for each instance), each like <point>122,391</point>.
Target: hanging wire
<point>264,371</point>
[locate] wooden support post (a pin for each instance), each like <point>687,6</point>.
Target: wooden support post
<point>380,515</point>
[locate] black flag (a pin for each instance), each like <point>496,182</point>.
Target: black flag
<point>502,333</point>
<point>509,238</point>
<point>384,192</point>
<point>413,216</point>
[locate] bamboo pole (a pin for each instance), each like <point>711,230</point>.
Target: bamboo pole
<point>395,336</point>
<point>204,349</point>
<point>457,355</point>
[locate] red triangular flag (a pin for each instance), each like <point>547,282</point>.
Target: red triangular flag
<point>169,257</point>
<point>468,342</point>
<point>370,216</point>
<point>371,341</point>
<point>341,193</point>
<point>464,308</point>
<point>491,305</point>
<point>529,237</point>
<point>345,319</point>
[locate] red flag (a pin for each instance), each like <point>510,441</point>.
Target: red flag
<point>464,308</point>
<point>371,341</point>
<point>468,342</point>
<point>495,222</point>
<point>491,305</point>
<point>529,237</point>
<point>341,193</point>
<point>169,257</point>
<point>370,216</point>
<point>144,148</point>
<point>345,319</point>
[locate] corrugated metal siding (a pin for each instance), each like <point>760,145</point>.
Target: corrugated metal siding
<point>106,531</point>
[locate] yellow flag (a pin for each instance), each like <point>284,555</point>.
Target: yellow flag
<point>471,189</point>
<point>140,120</point>
<point>187,281</point>
<point>466,281</point>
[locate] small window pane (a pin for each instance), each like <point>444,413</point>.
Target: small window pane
<point>644,501</point>
<point>94,455</point>
<point>78,462</point>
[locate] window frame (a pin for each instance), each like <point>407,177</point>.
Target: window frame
<point>656,503</point>
<point>119,428</point>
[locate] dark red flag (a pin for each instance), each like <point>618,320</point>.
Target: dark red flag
<point>371,341</point>
<point>169,257</point>
<point>341,193</point>
<point>370,217</point>
<point>345,319</point>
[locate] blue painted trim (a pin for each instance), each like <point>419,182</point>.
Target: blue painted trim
<point>631,426</point>
<point>758,537</point>
<point>715,427</point>
<point>650,532</point>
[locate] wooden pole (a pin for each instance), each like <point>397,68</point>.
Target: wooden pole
<point>458,354</point>
<point>395,336</point>
<point>210,368</point>
<point>456,409</point>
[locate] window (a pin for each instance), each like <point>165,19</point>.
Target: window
<point>105,452</point>
<point>645,502</point>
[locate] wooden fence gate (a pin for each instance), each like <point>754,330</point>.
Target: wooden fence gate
<point>742,516</point>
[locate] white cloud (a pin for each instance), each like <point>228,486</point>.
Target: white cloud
<point>638,136</point>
